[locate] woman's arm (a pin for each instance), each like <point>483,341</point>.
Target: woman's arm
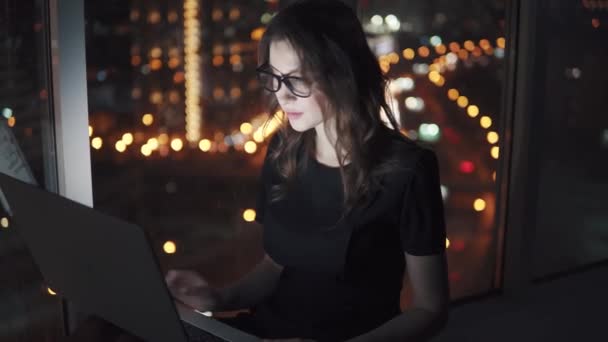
<point>429,314</point>
<point>252,288</point>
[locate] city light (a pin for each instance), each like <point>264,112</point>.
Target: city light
<point>177,144</point>
<point>249,215</point>
<point>127,138</point>
<point>12,121</point>
<point>192,68</point>
<point>90,131</point>
<point>146,150</point>
<point>462,101</point>
<point>492,137</point>
<point>473,111</point>
<point>495,152</point>
<point>453,94</point>
<point>4,223</point>
<point>120,146</point>
<point>409,54</point>
<point>205,145</point>
<point>7,113</point>
<point>169,247</point>
<point>50,291</point>
<point>250,147</point>
<point>147,119</point>
<point>485,122</point>
<point>96,143</point>
<point>479,205</point>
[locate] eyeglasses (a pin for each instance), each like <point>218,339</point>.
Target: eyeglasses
<point>272,82</point>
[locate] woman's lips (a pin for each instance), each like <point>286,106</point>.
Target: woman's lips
<point>294,115</point>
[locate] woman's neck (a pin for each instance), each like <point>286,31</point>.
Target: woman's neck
<point>324,144</point>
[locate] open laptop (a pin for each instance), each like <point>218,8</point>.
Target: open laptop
<point>105,266</point>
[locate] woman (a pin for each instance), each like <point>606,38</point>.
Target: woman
<point>345,199</point>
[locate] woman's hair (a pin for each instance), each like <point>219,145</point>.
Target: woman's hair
<point>331,45</point>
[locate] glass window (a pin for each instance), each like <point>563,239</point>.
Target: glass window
<point>570,139</point>
<point>30,310</point>
<point>446,60</point>
<point>176,112</point>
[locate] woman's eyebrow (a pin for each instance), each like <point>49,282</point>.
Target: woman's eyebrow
<point>286,74</point>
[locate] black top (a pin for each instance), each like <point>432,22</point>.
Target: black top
<point>342,280</point>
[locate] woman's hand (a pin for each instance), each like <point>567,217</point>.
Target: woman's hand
<point>193,290</point>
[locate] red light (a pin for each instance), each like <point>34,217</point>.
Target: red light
<point>457,245</point>
<point>467,166</point>
<point>455,276</point>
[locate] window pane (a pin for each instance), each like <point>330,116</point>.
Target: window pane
<point>446,60</point>
<point>175,108</point>
<point>30,312</point>
<point>570,136</point>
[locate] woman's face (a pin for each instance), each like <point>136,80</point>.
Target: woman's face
<point>303,113</point>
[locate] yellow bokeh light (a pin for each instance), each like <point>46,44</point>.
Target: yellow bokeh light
<point>485,122</point>
<point>127,138</point>
<point>484,43</point>
<point>258,136</point>
<point>205,145</point>
<point>469,45</point>
<point>51,292</point>
<point>156,64</point>
<point>453,94</point>
<point>251,147</point>
<point>11,121</point>
<point>153,143</point>
<point>147,119</point>
<point>447,243</point>
<point>120,146</point>
<point>4,223</point>
<point>500,42</point>
<point>440,49</point>
<point>423,51</point>
<point>409,54</point>
<point>479,205</point>
<point>97,143</point>
<point>393,58</point>
<point>492,137</point>
<point>163,138</point>
<point>440,82</point>
<point>462,101</point>
<point>257,33</point>
<point>494,176</point>
<point>249,215</point>
<point>495,152</point>
<point>246,128</point>
<point>218,60</point>
<point>177,144</point>
<point>146,150</point>
<point>473,111</point>
<point>463,54</point>
<point>169,247</point>
<point>454,47</point>
<point>434,76</point>
<point>90,131</point>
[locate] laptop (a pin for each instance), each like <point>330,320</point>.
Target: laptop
<point>105,266</point>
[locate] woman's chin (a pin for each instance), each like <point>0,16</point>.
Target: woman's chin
<point>298,128</point>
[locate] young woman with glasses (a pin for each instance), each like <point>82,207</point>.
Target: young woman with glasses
<point>346,200</point>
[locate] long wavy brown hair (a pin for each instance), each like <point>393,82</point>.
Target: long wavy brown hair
<point>333,50</point>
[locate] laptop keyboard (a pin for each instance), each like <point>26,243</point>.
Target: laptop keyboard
<point>198,335</point>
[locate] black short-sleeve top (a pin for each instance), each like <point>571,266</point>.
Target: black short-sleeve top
<point>342,278</point>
